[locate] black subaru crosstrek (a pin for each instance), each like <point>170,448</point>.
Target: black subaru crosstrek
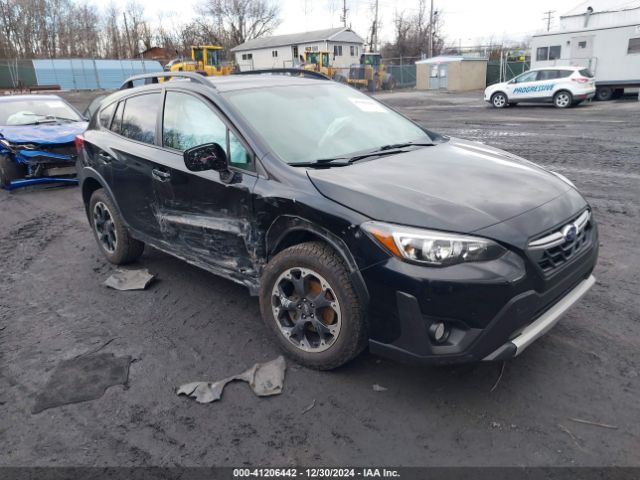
<point>353,225</point>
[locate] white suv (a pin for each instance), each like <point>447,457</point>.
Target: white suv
<point>564,86</point>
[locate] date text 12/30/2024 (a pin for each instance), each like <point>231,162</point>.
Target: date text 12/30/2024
<point>315,473</point>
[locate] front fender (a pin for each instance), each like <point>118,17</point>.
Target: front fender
<point>285,225</point>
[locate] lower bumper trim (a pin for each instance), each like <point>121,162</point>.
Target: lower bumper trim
<point>543,324</point>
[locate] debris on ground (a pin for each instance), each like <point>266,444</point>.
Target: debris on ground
<point>130,279</point>
<point>82,378</point>
<point>590,422</point>
<point>379,388</point>
<point>313,404</point>
<point>495,385</point>
<point>265,379</point>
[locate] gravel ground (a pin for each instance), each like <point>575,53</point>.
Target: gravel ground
<point>191,325</point>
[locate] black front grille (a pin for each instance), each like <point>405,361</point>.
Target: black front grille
<point>554,257</point>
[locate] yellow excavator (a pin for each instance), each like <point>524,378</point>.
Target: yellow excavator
<point>205,59</point>
<point>319,62</point>
<point>371,73</point>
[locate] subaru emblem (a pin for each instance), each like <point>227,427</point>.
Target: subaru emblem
<point>570,232</point>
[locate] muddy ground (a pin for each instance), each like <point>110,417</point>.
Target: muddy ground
<point>191,325</point>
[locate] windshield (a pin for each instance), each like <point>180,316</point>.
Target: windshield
<point>36,110</point>
<point>303,123</point>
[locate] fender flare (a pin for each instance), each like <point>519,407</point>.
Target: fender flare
<point>91,173</point>
<point>284,225</point>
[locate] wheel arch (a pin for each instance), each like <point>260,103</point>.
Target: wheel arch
<point>288,230</point>
<point>92,181</point>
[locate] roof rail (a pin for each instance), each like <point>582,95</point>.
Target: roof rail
<point>286,71</point>
<point>154,78</point>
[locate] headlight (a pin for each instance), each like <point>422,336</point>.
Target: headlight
<point>432,247</point>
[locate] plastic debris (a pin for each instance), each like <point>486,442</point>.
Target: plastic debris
<point>265,379</point>
<point>129,279</point>
<point>379,388</point>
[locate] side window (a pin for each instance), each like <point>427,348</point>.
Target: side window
<point>548,74</point>
<point>106,114</point>
<point>116,123</point>
<point>238,155</point>
<point>564,73</point>
<point>189,122</point>
<point>527,77</point>
<point>139,117</point>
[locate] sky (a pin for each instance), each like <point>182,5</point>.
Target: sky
<point>466,22</point>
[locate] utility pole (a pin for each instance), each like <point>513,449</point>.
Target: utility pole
<point>430,49</point>
<point>548,16</point>
<point>344,12</point>
<point>374,31</point>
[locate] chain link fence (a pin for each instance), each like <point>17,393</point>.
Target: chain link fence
<point>504,71</point>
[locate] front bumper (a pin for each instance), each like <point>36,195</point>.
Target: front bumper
<point>543,324</point>
<point>492,310</point>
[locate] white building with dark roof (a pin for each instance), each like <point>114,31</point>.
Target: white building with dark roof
<point>284,51</point>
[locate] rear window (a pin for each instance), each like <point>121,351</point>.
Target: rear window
<point>585,72</point>
<point>139,117</point>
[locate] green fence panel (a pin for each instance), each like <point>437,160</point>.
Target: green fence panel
<point>512,69</point>
<point>17,74</point>
<point>404,75</point>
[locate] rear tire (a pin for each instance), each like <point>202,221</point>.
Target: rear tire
<point>604,94</point>
<point>10,171</point>
<point>110,232</point>
<point>563,99</point>
<point>499,100</point>
<point>321,335</point>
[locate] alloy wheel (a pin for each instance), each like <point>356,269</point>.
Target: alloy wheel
<point>306,309</point>
<point>499,100</point>
<point>105,228</point>
<point>562,100</point>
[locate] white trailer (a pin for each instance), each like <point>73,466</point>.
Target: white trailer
<point>602,35</point>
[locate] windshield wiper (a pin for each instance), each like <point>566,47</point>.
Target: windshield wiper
<point>48,118</point>
<point>406,144</point>
<point>345,161</point>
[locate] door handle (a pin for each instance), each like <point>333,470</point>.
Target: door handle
<point>105,157</point>
<point>160,175</point>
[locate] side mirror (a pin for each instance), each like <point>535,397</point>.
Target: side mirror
<point>210,156</point>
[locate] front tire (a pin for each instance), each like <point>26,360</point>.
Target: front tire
<point>110,232</point>
<point>308,302</point>
<point>563,99</point>
<point>10,171</point>
<point>499,100</point>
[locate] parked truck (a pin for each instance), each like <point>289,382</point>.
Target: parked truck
<point>603,36</point>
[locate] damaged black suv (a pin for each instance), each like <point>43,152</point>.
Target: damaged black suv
<point>353,225</point>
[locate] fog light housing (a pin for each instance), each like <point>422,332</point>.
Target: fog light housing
<point>438,332</point>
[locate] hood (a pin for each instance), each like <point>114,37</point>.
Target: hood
<point>43,134</point>
<point>457,186</point>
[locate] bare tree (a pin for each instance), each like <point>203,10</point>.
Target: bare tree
<point>236,21</point>
<point>412,34</point>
